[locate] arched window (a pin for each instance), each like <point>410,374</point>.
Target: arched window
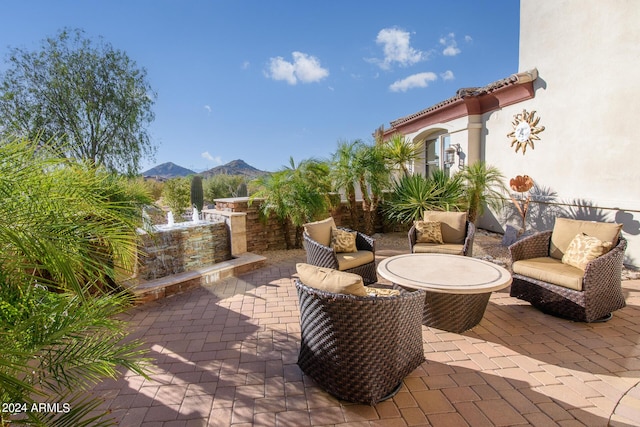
<point>435,147</point>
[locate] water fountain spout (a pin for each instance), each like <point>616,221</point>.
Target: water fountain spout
<point>194,216</point>
<point>170,220</point>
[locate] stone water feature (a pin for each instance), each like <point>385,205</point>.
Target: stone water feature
<point>179,247</point>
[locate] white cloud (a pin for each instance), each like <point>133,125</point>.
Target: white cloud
<point>450,45</point>
<point>396,45</point>
<point>413,81</point>
<point>468,39</point>
<point>208,108</point>
<point>304,68</point>
<point>447,75</point>
<point>245,65</point>
<point>208,156</point>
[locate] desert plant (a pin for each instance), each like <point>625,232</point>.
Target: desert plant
<point>175,194</point>
<point>197,193</point>
<point>399,151</point>
<point>359,165</point>
<point>295,195</point>
<point>484,185</point>
<point>411,195</point>
<point>65,228</point>
<point>223,185</point>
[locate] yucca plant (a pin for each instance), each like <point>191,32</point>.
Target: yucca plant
<point>66,230</point>
<point>411,195</point>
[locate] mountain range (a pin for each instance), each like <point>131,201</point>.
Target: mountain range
<point>235,167</point>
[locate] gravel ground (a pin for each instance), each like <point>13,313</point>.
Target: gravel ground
<point>486,245</point>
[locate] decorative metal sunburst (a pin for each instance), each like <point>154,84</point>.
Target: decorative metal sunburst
<point>525,130</point>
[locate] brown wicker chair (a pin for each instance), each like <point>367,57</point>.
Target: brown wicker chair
<point>322,255</point>
<point>601,292</point>
<point>465,249</point>
<point>359,348</point>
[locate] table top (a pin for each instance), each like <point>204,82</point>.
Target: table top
<point>454,274</point>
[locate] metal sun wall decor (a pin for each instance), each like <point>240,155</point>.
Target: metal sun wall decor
<point>525,130</point>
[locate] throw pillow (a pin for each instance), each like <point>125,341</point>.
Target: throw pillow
<point>330,280</point>
<point>343,241</point>
<point>381,292</point>
<point>429,232</point>
<point>454,225</point>
<point>320,231</point>
<point>584,249</point>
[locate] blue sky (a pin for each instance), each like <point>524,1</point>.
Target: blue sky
<point>264,80</point>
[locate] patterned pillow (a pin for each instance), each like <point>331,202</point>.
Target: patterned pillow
<point>381,292</point>
<point>428,232</point>
<point>343,241</point>
<point>584,249</point>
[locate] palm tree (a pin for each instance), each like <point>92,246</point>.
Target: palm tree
<point>484,186</point>
<point>399,151</point>
<point>373,178</point>
<point>66,230</point>
<point>354,165</point>
<point>344,177</point>
<point>295,195</point>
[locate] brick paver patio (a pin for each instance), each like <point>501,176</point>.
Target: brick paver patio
<point>225,355</point>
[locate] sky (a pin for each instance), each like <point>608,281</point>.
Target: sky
<point>266,80</point>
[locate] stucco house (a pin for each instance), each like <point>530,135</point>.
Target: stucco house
<point>578,74</point>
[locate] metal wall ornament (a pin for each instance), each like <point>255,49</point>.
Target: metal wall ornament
<point>525,130</point>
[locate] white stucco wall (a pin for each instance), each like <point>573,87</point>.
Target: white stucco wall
<point>587,53</point>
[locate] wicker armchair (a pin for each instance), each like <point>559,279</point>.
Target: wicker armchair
<point>600,292</point>
<point>465,249</point>
<point>359,348</point>
<point>362,262</point>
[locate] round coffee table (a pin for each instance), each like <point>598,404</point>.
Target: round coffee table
<point>458,287</point>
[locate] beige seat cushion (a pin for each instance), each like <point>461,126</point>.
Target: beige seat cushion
<point>330,280</point>
<point>428,232</point>
<point>565,229</point>
<point>343,241</point>
<point>584,249</point>
<point>453,225</point>
<point>434,248</point>
<point>550,270</point>
<point>320,231</point>
<point>347,260</point>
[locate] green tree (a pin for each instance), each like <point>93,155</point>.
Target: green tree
<point>89,97</point>
<point>373,178</point>
<point>65,227</point>
<point>484,185</point>
<point>295,195</point>
<point>176,194</point>
<point>398,151</point>
<point>343,175</point>
<point>223,185</point>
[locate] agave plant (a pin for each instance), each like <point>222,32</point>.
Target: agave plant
<point>411,195</point>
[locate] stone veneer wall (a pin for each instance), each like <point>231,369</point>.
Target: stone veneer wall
<point>263,235</point>
<point>183,248</point>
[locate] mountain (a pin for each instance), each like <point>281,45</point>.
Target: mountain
<point>168,170</point>
<point>234,167</point>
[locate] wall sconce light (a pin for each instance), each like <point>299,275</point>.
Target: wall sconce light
<point>450,154</point>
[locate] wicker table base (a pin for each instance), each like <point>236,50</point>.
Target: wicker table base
<point>457,288</point>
